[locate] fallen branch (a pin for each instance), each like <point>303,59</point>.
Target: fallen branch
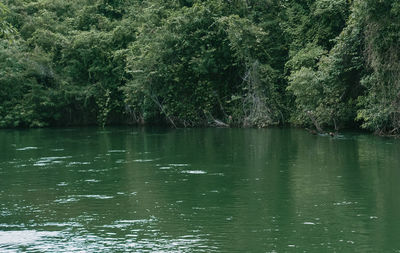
<point>219,123</point>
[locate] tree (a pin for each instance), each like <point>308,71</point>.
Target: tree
<point>379,107</point>
<point>6,30</point>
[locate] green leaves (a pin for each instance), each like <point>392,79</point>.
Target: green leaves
<point>330,63</point>
<point>195,57</point>
<point>6,30</point>
<point>379,106</point>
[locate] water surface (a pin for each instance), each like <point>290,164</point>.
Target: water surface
<point>197,190</point>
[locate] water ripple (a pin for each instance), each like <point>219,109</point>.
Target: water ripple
<point>27,148</point>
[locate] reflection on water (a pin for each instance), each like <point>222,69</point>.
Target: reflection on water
<point>197,190</point>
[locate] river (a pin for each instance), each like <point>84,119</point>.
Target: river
<point>197,190</point>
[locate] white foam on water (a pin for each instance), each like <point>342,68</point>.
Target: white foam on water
<point>52,158</point>
<point>93,196</point>
<point>24,237</point>
<point>344,203</point>
<point>165,168</point>
<point>66,200</point>
<point>78,163</point>
<point>40,164</point>
<point>143,160</point>
<point>198,172</point>
<point>92,180</point>
<point>26,148</point>
<point>179,164</point>
<point>132,221</point>
<point>62,224</point>
<point>117,151</point>
<point>2,225</point>
<point>43,161</point>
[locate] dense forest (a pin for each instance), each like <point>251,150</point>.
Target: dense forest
<point>320,64</point>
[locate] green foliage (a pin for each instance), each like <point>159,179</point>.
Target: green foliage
<point>379,107</point>
<point>25,78</point>
<point>83,48</point>
<point>317,22</point>
<point>327,88</point>
<point>184,68</point>
<point>195,59</point>
<point>254,63</point>
<point>6,30</point>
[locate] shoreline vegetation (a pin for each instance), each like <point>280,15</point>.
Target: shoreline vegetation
<point>323,65</point>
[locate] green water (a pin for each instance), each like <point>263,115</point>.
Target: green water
<point>197,190</point>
